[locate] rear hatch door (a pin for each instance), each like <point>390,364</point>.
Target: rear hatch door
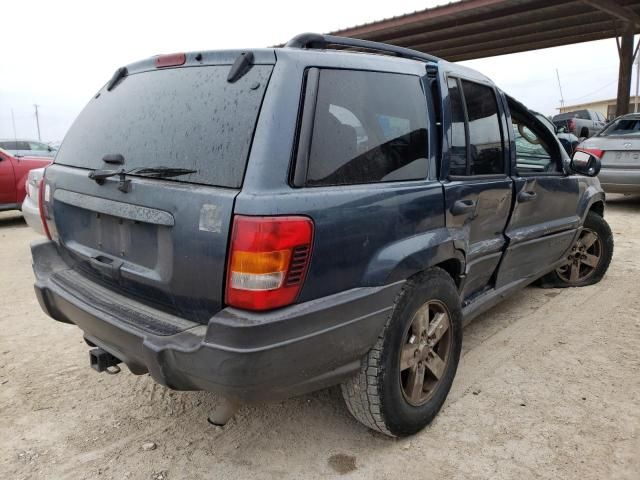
<point>162,241</point>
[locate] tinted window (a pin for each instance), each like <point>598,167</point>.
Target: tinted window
<point>485,138</point>
<point>9,145</point>
<point>623,126</point>
<point>180,117</point>
<point>457,135</point>
<point>368,127</point>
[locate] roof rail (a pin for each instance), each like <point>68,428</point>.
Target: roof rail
<point>318,41</point>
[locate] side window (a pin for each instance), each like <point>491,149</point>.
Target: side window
<point>536,148</point>
<point>22,146</point>
<point>484,153</point>
<point>368,127</point>
<point>37,146</point>
<point>458,138</point>
<point>485,137</point>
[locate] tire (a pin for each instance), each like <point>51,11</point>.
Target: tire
<point>559,278</point>
<point>383,397</point>
<point>584,132</point>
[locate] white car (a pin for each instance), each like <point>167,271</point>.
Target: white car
<point>30,205</point>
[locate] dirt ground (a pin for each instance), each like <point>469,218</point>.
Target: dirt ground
<point>548,387</point>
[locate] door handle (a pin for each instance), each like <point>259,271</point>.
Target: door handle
<point>524,197</point>
<point>463,206</point>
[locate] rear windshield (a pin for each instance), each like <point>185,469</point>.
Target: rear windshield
<point>622,126</point>
<point>182,118</point>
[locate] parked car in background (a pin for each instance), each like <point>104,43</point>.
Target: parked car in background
<point>582,123</point>
<point>618,146</point>
<point>27,148</point>
<point>338,225</point>
<point>13,178</point>
<point>31,205</point>
<point>568,140</point>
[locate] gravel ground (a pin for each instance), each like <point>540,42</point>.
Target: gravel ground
<point>548,387</point>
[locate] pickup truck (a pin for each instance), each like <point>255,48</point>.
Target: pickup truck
<point>13,178</point>
<point>582,123</point>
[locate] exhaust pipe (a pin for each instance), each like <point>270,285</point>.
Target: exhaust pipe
<point>102,361</point>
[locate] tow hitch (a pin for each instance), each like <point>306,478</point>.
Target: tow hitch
<point>102,361</point>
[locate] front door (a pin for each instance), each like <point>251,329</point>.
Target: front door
<point>545,217</point>
<point>478,190</point>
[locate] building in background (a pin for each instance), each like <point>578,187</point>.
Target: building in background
<point>605,107</point>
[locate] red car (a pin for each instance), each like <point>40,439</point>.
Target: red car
<point>13,177</point>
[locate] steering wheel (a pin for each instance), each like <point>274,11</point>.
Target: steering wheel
<point>528,136</point>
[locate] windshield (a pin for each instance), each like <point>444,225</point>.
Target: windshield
<point>189,118</point>
<point>622,126</point>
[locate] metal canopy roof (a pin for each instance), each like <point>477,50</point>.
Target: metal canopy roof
<point>471,29</point>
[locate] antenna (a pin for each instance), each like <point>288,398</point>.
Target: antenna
<point>13,121</point>
<point>37,121</point>
<point>560,86</point>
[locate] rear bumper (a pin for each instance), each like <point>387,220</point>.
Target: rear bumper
<point>242,355</point>
<point>616,180</point>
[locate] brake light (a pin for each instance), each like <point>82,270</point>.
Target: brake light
<point>170,60</point>
<point>268,261</point>
<point>591,151</point>
<point>42,193</point>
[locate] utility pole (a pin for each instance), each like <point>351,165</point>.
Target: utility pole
<point>37,122</point>
<point>637,81</point>
<point>560,86</point>
<point>13,121</point>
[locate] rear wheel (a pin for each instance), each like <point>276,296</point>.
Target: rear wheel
<point>588,259</point>
<point>405,378</point>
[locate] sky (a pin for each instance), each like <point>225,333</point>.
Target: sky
<point>57,54</point>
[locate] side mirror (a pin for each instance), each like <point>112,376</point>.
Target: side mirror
<point>584,163</point>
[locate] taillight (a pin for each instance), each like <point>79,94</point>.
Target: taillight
<point>268,261</point>
<point>591,151</point>
<point>44,193</point>
<point>571,124</point>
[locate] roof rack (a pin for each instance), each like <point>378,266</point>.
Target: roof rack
<point>318,41</point>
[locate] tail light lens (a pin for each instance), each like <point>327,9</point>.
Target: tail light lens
<point>268,261</point>
<point>44,205</point>
<point>592,151</point>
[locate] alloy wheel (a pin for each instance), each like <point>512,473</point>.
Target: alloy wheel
<point>425,353</point>
<point>582,259</point>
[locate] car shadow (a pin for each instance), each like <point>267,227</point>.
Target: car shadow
<point>12,219</point>
<point>623,203</point>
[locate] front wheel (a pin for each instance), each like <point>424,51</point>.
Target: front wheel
<point>405,378</point>
<point>589,257</point>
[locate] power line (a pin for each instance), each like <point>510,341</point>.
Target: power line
<point>595,91</point>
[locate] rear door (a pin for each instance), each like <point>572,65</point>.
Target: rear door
<point>545,214</point>
<point>477,187</point>
<point>160,240</point>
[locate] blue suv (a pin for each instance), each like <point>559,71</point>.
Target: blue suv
<point>271,222</point>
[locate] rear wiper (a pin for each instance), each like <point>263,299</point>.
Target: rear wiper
<point>161,172</point>
<point>154,172</point>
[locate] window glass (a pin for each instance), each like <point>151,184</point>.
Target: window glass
<point>190,118</point>
<point>37,146</point>
<point>485,138</point>
<point>368,127</point>
<point>534,151</point>
<point>623,126</point>
<point>583,114</point>
<point>457,136</point>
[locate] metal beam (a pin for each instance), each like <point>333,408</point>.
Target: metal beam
<point>624,72</point>
<point>616,10</point>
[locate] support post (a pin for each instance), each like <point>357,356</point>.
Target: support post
<point>625,52</point>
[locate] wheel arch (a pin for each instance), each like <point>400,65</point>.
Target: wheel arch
<point>411,256</point>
